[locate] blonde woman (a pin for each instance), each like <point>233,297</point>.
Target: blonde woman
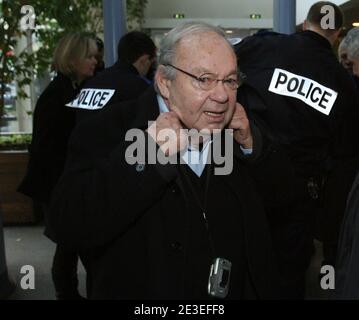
<point>74,62</point>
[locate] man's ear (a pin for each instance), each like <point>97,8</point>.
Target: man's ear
<point>140,64</point>
<point>143,58</point>
<point>305,25</point>
<point>163,84</point>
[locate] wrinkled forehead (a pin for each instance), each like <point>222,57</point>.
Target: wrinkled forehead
<point>207,48</point>
<point>342,50</point>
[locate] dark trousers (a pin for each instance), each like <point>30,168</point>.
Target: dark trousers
<point>64,273</point>
<point>64,270</point>
<point>292,229</point>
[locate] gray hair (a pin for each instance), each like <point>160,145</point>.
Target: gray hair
<point>343,46</point>
<point>167,51</point>
<point>353,43</point>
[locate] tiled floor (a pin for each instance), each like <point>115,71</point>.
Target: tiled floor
<point>28,246</point>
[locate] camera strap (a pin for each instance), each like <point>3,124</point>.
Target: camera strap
<point>220,269</point>
<point>201,204</point>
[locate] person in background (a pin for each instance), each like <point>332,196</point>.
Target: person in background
<point>343,55</point>
<point>295,85</point>
<point>125,80</point>
<point>74,61</point>
<point>353,50</point>
<point>99,56</point>
<point>344,59</point>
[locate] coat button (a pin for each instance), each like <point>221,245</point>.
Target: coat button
<point>140,167</point>
<point>176,247</point>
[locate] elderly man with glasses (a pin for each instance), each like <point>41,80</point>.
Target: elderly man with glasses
<point>157,230</point>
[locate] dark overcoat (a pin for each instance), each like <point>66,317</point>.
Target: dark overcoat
<point>132,221</point>
<point>52,126</point>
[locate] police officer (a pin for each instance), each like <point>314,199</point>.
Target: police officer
<point>125,80</point>
<point>295,86</point>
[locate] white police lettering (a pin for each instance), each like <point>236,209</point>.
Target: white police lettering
<point>309,91</point>
<point>92,99</point>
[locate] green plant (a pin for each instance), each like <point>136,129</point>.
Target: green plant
<point>135,13</point>
<point>53,18</point>
<point>15,141</point>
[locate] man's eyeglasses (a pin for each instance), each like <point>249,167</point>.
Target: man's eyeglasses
<point>208,81</point>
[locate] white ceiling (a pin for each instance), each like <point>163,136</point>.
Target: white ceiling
<point>304,5</point>
<point>227,9</point>
<point>227,13</point>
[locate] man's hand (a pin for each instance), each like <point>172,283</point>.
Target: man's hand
<point>167,133</point>
<point>240,124</point>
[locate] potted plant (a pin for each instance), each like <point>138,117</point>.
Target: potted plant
<point>15,142</point>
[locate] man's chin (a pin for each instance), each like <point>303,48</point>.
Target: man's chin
<point>210,129</point>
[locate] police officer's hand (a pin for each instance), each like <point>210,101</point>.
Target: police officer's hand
<point>167,133</point>
<point>240,124</point>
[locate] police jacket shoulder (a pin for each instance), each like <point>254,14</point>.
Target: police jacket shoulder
<point>305,54</point>
<point>256,49</point>
<point>123,78</point>
<point>315,57</point>
<point>305,95</point>
<point>113,122</point>
<point>277,50</point>
<point>121,82</point>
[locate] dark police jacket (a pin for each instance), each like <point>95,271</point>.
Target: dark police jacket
<point>52,125</point>
<point>118,83</point>
<point>296,86</point>
<point>140,224</point>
